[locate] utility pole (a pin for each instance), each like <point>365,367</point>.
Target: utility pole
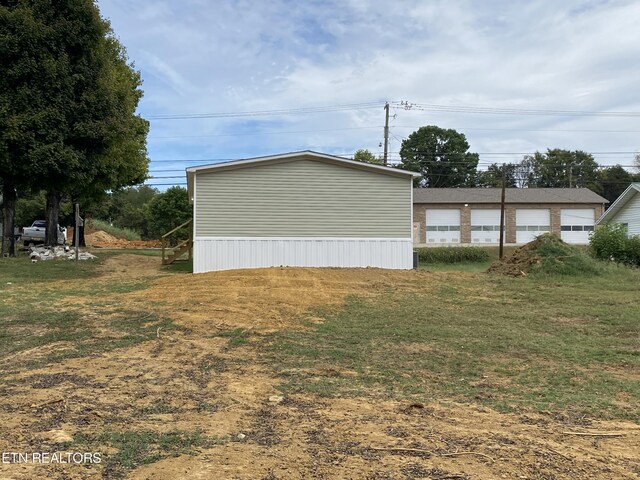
<point>502,229</point>
<point>386,133</point>
<point>570,177</point>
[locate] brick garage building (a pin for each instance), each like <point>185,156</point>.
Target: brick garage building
<point>471,216</point>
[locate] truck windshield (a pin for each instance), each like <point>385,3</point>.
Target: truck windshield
<point>40,223</point>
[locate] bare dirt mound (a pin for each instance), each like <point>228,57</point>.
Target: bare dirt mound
<point>102,239</point>
<point>99,236</point>
<point>519,263</point>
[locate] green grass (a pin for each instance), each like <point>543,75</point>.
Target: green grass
<point>452,254</point>
<point>20,270</point>
<point>544,343</point>
<point>141,448</point>
<point>31,315</point>
<point>473,267</point>
<point>237,337</point>
<point>118,232</point>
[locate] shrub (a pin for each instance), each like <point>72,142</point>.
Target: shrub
<point>452,254</point>
<point>610,242</point>
<point>117,232</point>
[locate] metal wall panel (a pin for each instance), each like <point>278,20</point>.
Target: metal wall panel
<point>220,253</point>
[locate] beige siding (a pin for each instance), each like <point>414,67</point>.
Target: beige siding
<point>302,198</point>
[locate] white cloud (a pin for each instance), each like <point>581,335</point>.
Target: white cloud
<point>198,56</point>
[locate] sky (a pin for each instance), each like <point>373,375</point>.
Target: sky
<point>456,63</point>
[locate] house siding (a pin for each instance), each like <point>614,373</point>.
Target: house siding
<point>419,216</point>
<point>302,198</point>
<point>630,214</point>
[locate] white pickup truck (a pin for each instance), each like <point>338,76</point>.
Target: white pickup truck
<point>35,233</point>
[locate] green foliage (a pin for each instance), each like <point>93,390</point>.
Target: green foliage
<point>560,168</point>
<point>366,156</point>
<point>555,257</point>
<point>492,176</point>
<point>168,210</point>
<point>452,254</point>
<point>612,181</point>
<point>29,208</point>
<point>442,157</point>
<point>117,232</point>
<point>611,242</point>
<point>67,104</point>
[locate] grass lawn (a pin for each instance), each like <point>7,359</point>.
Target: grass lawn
<point>35,311</point>
<point>565,344</point>
<point>149,375</point>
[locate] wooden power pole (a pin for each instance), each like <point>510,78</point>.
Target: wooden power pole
<point>502,199</point>
<point>386,133</point>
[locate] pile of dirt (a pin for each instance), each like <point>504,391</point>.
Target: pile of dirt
<point>99,236</point>
<point>102,239</point>
<point>549,254</point>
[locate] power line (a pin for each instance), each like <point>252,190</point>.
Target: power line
<point>409,106</point>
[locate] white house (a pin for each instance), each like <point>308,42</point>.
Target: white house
<point>625,210</point>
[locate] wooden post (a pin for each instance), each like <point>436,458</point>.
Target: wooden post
<point>502,229</point>
<point>76,231</point>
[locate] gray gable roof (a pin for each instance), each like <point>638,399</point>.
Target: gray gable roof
<point>513,195</point>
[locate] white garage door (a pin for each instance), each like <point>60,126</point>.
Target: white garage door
<point>531,222</point>
<point>443,225</point>
<point>576,224</point>
<point>485,225</point>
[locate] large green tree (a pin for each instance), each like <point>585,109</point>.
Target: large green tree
<point>560,168</point>
<point>167,211</point>
<point>67,104</point>
<point>612,181</point>
<point>442,157</point>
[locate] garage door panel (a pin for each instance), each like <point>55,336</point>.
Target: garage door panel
<point>485,225</point>
<point>531,222</point>
<point>576,224</point>
<point>442,226</point>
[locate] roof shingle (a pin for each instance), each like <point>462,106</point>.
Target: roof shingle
<point>513,195</point>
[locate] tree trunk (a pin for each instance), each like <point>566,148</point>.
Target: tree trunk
<point>82,242</point>
<point>9,213</point>
<point>53,209</point>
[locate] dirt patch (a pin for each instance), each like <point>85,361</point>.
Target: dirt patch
<point>519,263</point>
<point>130,265</point>
<point>269,298</point>
<point>190,380</point>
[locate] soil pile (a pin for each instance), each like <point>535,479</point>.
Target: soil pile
<point>102,239</point>
<point>546,254</point>
<point>99,236</point>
